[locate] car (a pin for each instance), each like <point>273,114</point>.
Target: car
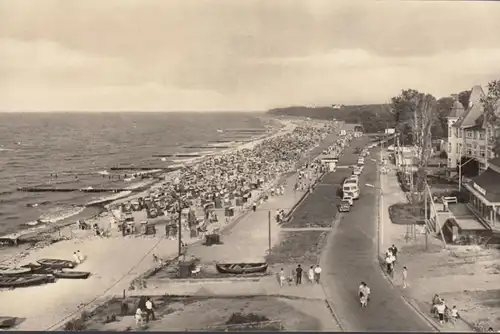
<point>348,198</point>
<point>354,177</point>
<point>344,206</point>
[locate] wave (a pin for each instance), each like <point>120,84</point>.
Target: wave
<point>6,192</point>
<point>59,213</point>
<point>7,149</point>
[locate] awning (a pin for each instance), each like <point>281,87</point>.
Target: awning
<point>488,185</point>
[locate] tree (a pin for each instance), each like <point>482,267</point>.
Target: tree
<point>491,105</point>
<point>463,98</point>
<point>403,108</point>
<point>426,113</point>
<point>415,114</point>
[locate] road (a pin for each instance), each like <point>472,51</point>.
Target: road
<point>350,256</point>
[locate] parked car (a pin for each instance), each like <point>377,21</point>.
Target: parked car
<point>344,206</point>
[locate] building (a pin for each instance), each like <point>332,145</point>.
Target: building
<point>484,195</point>
<point>469,135</point>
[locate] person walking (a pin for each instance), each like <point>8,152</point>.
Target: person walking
<point>282,277</point>
<point>317,273</point>
<point>405,277</point>
<point>150,312</point>
<point>394,251</point>
<point>310,274</point>
<point>298,273</point>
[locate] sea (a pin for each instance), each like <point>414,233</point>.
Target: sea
<point>80,148</point>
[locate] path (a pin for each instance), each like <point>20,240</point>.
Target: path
<point>248,240</point>
<point>350,257</point>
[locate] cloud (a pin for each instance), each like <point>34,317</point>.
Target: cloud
<point>226,54</point>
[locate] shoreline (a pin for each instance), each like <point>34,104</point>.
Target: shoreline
<point>270,124</point>
<point>113,271</point>
<point>31,235</point>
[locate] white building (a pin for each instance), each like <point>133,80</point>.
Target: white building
<point>468,133</point>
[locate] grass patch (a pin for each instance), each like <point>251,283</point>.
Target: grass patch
<point>406,214</point>
<point>298,247</point>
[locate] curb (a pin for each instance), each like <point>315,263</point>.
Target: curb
<point>408,300</point>
<point>250,295</point>
<point>207,280</point>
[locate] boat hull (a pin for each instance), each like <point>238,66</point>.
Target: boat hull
<point>71,274</point>
<point>22,281</point>
<point>241,268</point>
<point>57,263</point>
<point>9,271</point>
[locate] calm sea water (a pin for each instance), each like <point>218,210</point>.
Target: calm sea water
<point>76,146</point>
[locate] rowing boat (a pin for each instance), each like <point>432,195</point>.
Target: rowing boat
<point>241,268</point>
<point>12,271</point>
<point>57,263</point>
<point>20,281</point>
<point>71,274</point>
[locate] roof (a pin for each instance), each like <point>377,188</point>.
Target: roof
<point>489,180</point>
<point>457,110</point>
<point>469,117</point>
<point>495,162</point>
<point>468,224</point>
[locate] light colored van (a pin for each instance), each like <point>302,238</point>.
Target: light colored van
<point>351,186</point>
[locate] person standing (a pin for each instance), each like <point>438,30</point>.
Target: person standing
<point>298,273</point>
<point>405,277</point>
<point>80,256</point>
<point>77,259</point>
<point>441,308</point>
<point>317,273</point>
<point>254,207</point>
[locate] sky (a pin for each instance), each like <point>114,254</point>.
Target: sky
<point>248,55</point>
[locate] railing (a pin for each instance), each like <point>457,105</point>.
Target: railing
<point>485,222</point>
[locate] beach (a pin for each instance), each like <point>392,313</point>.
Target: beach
<point>115,260</point>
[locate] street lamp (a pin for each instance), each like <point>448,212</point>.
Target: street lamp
<point>380,225</point>
<point>178,189</point>
<point>460,173</point>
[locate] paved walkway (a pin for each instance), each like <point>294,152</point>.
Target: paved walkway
<point>350,257</point>
<point>425,287</point>
<point>264,286</point>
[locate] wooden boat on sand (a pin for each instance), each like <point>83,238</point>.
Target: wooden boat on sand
<point>241,268</point>
<point>57,263</point>
<point>71,274</point>
<point>7,322</point>
<point>22,281</point>
<point>12,271</point>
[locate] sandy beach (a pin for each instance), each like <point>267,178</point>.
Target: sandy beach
<point>113,261</point>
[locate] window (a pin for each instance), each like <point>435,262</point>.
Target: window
<point>482,148</point>
<point>449,147</point>
<point>469,146</point>
<point>468,134</point>
<point>469,152</point>
<point>482,153</point>
<point>475,134</point>
<point>481,135</point>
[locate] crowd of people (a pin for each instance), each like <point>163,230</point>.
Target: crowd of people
<point>228,180</point>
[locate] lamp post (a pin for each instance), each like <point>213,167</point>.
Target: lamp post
<point>178,190</point>
<point>460,173</point>
<point>380,225</point>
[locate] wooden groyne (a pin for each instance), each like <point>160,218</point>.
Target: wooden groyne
<point>187,155</point>
<point>134,168</point>
<point>67,190</point>
<point>204,147</point>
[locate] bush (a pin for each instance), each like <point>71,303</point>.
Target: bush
<point>443,155</point>
<point>242,318</point>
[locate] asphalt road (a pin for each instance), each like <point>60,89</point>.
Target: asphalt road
<point>350,256</point>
